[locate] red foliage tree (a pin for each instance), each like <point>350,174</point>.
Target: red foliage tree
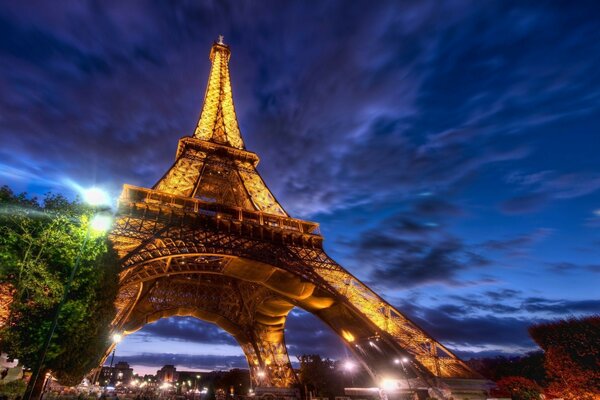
<point>572,356</point>
<point>517,388</point>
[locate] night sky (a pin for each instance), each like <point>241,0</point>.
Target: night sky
<point>448,149</point>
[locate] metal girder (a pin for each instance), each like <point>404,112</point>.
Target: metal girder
<point>211,241</point>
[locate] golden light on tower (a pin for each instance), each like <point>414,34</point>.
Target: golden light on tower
<point>210,241</point>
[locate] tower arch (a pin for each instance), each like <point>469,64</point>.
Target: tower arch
<point>211,241</point>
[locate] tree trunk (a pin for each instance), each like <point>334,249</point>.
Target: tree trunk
<point>34,389</point>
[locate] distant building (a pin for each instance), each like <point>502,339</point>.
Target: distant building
<point>167,374</point>
<point>120,374</point>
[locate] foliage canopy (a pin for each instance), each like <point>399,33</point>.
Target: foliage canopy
<point>40,242</point>
<point>572,356</point>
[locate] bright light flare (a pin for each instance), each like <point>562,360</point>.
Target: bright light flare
<point>101,223</point>
<point>388,384</point>
<point>96,197</point>
<point>117,337</point>
<point>260,374</point>
<point>349,365</point>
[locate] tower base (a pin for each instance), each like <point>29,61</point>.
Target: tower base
<point>276,393</point>
<point>413,389</point>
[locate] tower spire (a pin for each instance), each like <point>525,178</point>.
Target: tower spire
<point>218,121</point>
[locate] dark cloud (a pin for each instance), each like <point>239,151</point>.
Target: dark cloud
<point>561,307</point>
<point>540,187</point>
<point>404,252</point>
<point>569,267</point>
<point>188,329</point>
<point>502,294</point>
<point>306,334</point>
<point>518,245</point>
<point>457,326</point>
<point>524,204</point>
<point>436,207</point>
<point>496,320</point>
<point>191,361</point>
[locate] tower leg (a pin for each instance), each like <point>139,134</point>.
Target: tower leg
<point>268,358</point>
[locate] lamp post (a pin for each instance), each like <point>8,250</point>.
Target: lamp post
<point>349,366</point>
<point>402,361</point>
<point>116,338</point>
<point>100,223</point>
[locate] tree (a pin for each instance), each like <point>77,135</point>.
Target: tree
<point>530,366</point>
<point>39,245</point>
<point>572,356</point>
<point>518,388</point>
<point>235,378</point>
<point>319,375</point>
<point>328,378</point>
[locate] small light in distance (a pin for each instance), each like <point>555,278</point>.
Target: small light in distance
<point>404,359</point>
<point>396,361</point>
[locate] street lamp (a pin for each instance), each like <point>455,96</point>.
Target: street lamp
<point>100,223</point>
<point>349,366</point>
<point>96,197</point>
<point>404,361</point>
<point>116,338</point>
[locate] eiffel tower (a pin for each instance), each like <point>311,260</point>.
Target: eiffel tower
<point>209,240</point>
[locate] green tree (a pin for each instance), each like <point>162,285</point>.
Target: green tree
<point>40,242</point>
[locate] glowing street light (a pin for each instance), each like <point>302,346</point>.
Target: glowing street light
<point>100,223</point>
<point>389,384</point>
<point>349,365</point>
<point>116,338</point>
<point>96,197</point>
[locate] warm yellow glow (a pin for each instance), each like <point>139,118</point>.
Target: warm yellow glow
<point>117,337</point>
<point>348,336</point>
<point>218,120</point>
<point>101,223</point>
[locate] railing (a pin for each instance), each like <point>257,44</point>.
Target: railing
<point>219,211</point>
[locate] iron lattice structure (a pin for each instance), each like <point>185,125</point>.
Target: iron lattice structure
<point>210,240</point>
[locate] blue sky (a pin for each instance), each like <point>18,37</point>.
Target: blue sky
<point>448,149</point>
